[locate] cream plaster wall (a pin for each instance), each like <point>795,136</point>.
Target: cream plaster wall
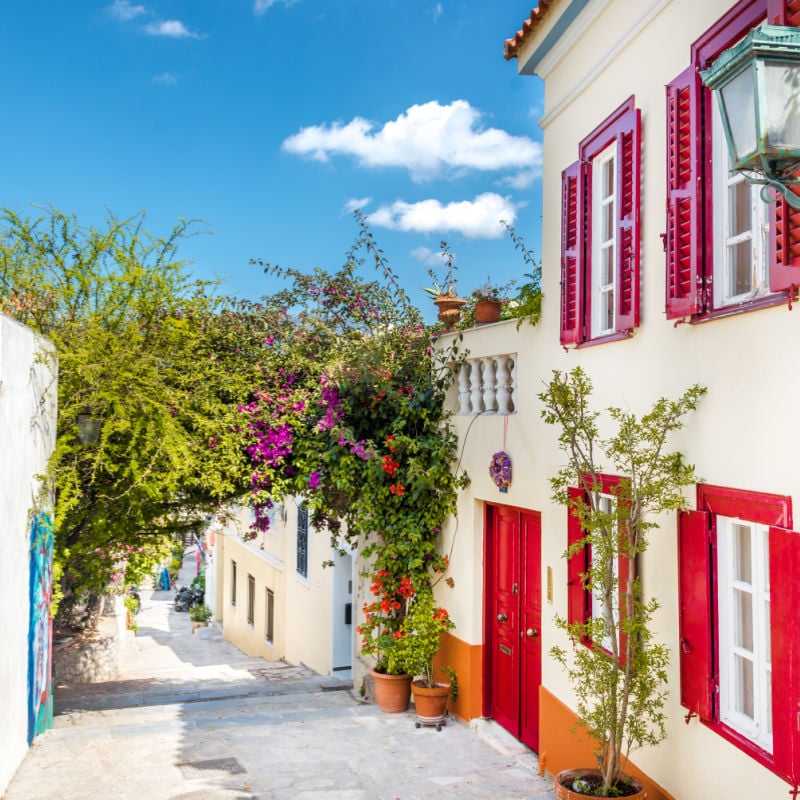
<point>302,613</point>
<point>741,436</point>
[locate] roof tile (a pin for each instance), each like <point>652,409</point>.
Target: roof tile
<point>512,45</point>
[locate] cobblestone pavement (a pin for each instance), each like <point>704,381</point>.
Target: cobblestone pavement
<point>192,718</point>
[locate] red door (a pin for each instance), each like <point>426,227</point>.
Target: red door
<point>513,618</point>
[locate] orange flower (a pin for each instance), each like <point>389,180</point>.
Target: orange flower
<point>398,489</point>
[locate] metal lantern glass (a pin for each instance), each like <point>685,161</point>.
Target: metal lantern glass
<point>757,87</point>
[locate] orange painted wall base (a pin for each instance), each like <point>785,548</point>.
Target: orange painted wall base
<point>560,748</point>
<point>467,661</point>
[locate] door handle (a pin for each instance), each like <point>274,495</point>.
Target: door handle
<point>531,633</point>
<point>502,617</point>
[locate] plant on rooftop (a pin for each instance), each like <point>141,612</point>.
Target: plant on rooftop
<point>617,668</point>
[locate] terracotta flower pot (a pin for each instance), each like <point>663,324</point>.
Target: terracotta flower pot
<point>449,309</point>
<point>392,692</point>
<point>563,783</point>
<point>487,311</point>
<point>431,704</point>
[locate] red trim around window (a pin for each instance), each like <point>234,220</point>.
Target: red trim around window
<point>623,129</point>
<point>699,618</point>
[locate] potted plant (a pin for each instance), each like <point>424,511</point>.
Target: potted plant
<point>417,644</point>
<point>381,632</point>
<point>200,615</point>
<point>617,668</point>
<point>443,291</point>
<point>488,300</point>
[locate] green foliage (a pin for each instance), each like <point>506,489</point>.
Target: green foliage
<point>350,414</point>
<point>150,355</point>
<point>131,604</point>
<point>199,582</point>
<point>527,305</point>
<point>200,613</point>
<point>617,669</point>
<point>420,633</point>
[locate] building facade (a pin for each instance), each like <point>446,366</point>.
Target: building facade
<point>273,597</point>
<point>660,270</point>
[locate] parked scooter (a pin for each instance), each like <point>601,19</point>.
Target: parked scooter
<point>185,598</point>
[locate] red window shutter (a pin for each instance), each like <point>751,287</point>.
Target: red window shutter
<point>695,604</point>
<point>571,254</point>
<point>784,257</point>
<point>784,12</point>
<point>628,244</point>
<point>784,569</point>
<point>576,565</point>
<point>684,266</point>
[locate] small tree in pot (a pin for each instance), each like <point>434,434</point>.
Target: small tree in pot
<point>617,669</point>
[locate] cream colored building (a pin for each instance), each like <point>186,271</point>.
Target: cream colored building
<point>695,294</point>
<point>273,598</point>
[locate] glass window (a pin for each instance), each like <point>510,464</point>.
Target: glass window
<point>269,632</point>
<point>741,230</point>
<point>745,683</point>
<point>604,240</point>
<point>233,583</point>
<point>251,599</point>
<point>302,541</point>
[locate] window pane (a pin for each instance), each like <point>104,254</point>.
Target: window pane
<point>740,280</point>
<point>767,635</point>
<point>743,624</point>
<point>608,310</point>
<point>739,211</point>
<point>743,568</point>
<point>769,702</point>
<point>743,701</point>
<point>608,178</point>
<point>607,272</point>
<point>607,228</point>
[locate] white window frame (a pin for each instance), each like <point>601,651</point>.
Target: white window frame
<point>606,503</point>
<point>757,234</point>
<point>757,729</point>
<point>604,288</point>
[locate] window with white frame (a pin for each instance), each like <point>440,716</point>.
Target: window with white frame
<point>741,229</point>
<point>234,575</point>
<point>605,504</point>
<point>600,233</point>
<point>251,600</point>
<point>269,617</point>
<point>745,663</point>
<point>604,240</point>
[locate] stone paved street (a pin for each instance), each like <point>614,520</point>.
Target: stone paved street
<point>191,718</point>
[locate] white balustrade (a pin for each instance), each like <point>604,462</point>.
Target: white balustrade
<point>488,385</point>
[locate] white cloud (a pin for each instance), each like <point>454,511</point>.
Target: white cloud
<point>428,140</point>
<point>166,78</point>
<point>173,28</point>
<point>261,6</point>
<point>476,219</point>
<point>522,180</point>
<point>124,10</point>
<point>437,12</point>
<point>428,257</point>
<point>356,203</point>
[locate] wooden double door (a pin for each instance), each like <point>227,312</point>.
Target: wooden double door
<point>512,614</point>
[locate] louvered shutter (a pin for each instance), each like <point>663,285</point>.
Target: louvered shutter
<point>784,256</point>
<point>684,266</point>
<point>695,612</point>
<point>576,564</point>
<point>784,569</point>
<point>784,12</point>
<point>628,244</point>
<point>571,254</point>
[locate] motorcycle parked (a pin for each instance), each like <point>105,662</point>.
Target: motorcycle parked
<point>186,597</point>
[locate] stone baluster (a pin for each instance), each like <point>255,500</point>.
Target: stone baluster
<point>489,385</point>
<point>463,388</point>
<point>503,386</point>
<point>513,362</point>
<point>476,395</point>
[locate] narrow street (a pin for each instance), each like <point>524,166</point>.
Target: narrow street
<point>192,718</point>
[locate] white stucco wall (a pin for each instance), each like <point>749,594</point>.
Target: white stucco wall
<point>27,436</point>
<point>740,435</point>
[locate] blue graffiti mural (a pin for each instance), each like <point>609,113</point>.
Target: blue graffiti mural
<point>40,632</point>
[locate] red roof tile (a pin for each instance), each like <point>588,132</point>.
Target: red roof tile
<point>512,45</point>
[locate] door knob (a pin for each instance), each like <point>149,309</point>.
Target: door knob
<point>531,633</point>
<point>502,617</point>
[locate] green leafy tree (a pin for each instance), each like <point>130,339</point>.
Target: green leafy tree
<point>617,669</point>
<point>147,353</point>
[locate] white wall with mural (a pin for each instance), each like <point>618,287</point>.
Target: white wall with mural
<point>27,437</point>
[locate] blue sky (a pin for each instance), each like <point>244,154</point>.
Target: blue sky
<point>271,119</point>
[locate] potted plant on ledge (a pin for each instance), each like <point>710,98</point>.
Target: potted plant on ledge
<point>418,643</point>
<point>444,295</point>
<point>617,668</point>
